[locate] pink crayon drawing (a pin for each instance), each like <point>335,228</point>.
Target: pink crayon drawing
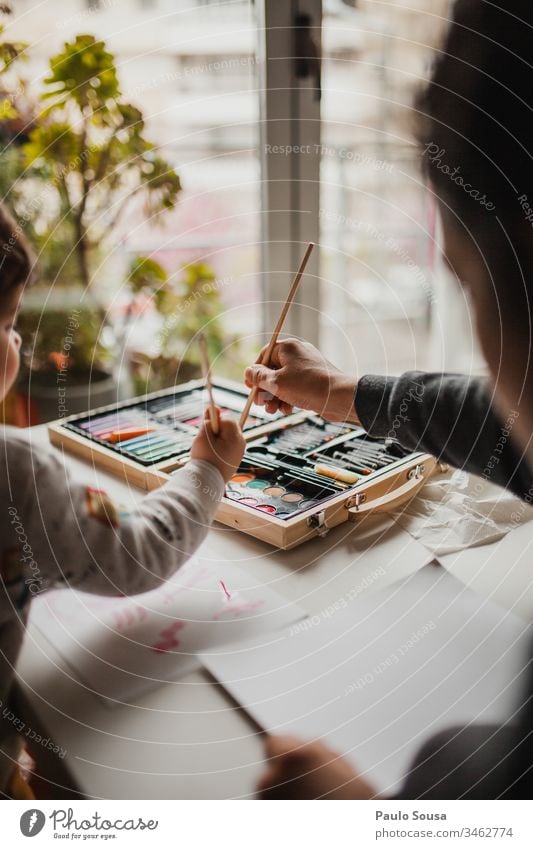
<point>227,594</point>
<point>124,617</point>
<point>238,607</point>
<point>167,636</point>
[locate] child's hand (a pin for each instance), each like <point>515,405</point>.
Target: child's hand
<point>299,770</point>
<point>225,450</point>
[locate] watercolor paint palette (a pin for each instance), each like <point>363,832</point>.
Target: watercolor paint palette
<point>304,477</point>
<point>273,494</point>
<point>299,477</point>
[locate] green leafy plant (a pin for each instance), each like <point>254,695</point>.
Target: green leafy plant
<point>89,147</point>
<point>82,160</point>
<point>10,51</point>
<point>186,304</point>
<point>15,109</point>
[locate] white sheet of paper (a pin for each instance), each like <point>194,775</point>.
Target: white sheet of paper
<point>123,647</point>
<point>378,678</point>
<point>503,570</point>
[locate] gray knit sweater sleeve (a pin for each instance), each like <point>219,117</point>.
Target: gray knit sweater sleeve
<point>450,416</point>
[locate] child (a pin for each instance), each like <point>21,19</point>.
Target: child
<point>58,533</point>
<point>475,135</point>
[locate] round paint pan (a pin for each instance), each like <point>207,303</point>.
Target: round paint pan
<point>274,491</point>
<point>242,478</point>
<point>292,497</point>
<point>258,483</point>
<point>267,508</point>
<point>249,502</point>
<point>306,505</point>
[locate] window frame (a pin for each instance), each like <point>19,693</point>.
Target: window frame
<point>290,132</point>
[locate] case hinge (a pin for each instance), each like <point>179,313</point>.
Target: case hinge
<point>318,522</point>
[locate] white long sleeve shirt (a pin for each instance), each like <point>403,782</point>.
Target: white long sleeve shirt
<point>55,532</point>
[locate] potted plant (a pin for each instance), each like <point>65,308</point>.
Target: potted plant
<point>85,162</point>
<point>186,304</point>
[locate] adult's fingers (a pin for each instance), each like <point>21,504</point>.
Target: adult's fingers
<point>285,408</point>
<point>272,405</point>
<point>262,377</point>
<point>273,359</point>
<point>280,352</point>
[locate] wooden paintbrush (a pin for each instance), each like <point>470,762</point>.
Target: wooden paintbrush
<point>206,369</point>
<point>265,359</point>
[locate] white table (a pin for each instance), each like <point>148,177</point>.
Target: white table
<point>188,739</point>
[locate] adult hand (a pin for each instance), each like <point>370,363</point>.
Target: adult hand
<point>299,376</point>
<point>298,770</point>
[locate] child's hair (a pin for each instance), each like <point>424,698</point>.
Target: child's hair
<point>475,119</point>
<point>16,256</point>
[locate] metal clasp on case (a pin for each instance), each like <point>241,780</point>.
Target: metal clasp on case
<point>356,501</point>
<point>318,522</point>
<point>417,472</point>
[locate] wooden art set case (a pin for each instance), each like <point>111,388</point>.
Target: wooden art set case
<point>299,477</point>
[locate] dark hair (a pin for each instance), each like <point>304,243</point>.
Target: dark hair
<point>475,122</point>
<point>16,256</point>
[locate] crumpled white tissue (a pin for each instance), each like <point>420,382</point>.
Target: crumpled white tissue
<point>456,511</point>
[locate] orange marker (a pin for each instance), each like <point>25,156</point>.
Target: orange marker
<point>128,433</point>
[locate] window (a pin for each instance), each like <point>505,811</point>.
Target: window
<point>268,163</point>
<point>377,220</point>
<point>191,69</point>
